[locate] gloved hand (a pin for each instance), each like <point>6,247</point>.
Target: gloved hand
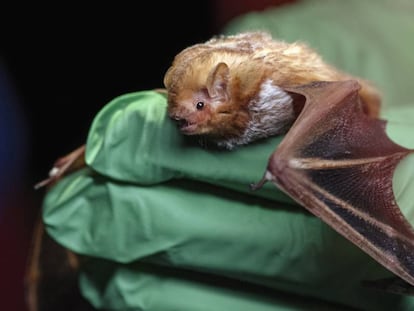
<point>168,225</point>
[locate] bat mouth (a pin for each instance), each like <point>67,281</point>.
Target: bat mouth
<point>186,126</point>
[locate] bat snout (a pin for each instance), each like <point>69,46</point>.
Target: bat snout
<point>175,117</point>
<point>183,124</point>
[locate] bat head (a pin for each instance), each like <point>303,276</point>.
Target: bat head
<point>199,100</point>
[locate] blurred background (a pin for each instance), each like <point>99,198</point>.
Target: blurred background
<point>58,67</point>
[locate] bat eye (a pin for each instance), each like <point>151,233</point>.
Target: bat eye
<point>200,105</point>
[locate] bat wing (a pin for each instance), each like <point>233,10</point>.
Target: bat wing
<point>338,163</point>
<point>64,165</point>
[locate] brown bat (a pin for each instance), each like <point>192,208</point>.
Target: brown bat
<point>336,159</point>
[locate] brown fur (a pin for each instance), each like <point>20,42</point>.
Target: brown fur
<point>227,73</point>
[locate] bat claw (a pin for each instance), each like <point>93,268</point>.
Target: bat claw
<point>42,183</point>
<point>64,165</point>
<point>260,183</point>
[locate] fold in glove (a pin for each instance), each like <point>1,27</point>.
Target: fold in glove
<point>141,286</point>
<point>150,196</point>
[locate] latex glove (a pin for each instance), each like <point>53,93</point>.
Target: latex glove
<point>172,226</point>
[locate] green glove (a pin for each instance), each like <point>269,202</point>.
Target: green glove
<point>148,199</point>
<point>167,225</point>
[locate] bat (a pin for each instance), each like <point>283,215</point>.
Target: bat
<point>335,160</point>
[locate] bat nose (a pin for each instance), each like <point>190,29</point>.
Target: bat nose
<point>181,122</point>
<point>175,117</point>
<point>173,114</point>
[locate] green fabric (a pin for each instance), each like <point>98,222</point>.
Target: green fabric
<point>168,225</point>
<point>177,219</point>
<point>178,290</point>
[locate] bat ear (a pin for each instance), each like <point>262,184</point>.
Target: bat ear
<point>218,81</point>
<point>167,77</point>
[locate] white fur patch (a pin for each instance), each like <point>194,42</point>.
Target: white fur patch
<point>271,113</point>
<point>272,97</point>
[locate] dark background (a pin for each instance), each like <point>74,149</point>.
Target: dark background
<point>66,64</point>
<point>63,65</point>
